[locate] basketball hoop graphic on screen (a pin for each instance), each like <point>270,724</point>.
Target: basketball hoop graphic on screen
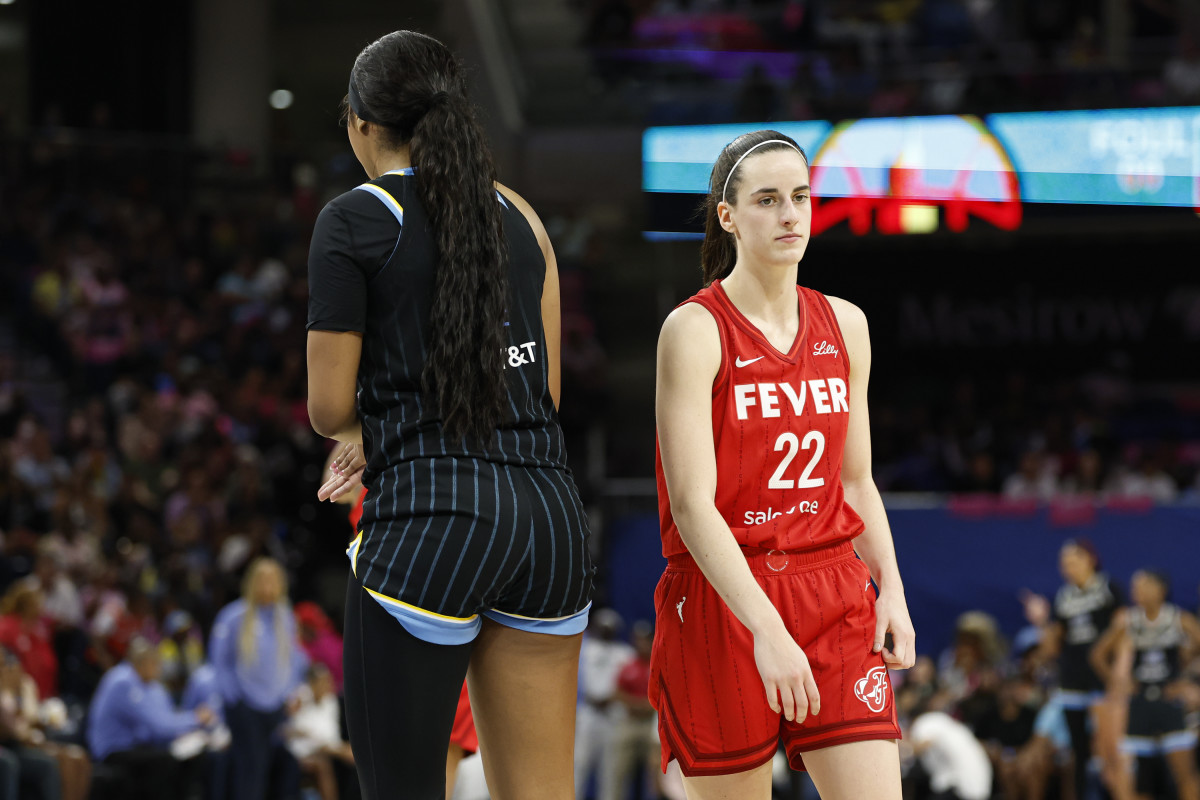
<point>873,689</point>
<point>911,175</point>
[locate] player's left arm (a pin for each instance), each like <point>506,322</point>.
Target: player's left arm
<point>874,544</point>
<point>551,309</point>
<point>333,358</point>
<point>1191,627</point>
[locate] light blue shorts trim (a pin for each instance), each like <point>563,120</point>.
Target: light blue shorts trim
<point>440,629</point>
<point>1160,745</point>
<point>561,626</point>
<point>1051,724</point>
<point>426,625</point>
<point>1074,700</point>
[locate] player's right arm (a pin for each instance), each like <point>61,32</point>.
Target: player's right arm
<point>689,358</point>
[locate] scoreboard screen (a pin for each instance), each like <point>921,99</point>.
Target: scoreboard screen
<point>907,175</point>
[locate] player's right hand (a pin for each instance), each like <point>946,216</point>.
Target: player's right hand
<point>786,675</point>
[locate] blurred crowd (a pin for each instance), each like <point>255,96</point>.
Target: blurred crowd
<point>1004,716</point>
<point>809,59</point>
<point>1094,438</point>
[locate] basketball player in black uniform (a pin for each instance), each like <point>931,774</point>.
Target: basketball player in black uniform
<point>1148,645</point>
<point>1083,609</point>
<point>434,341</point>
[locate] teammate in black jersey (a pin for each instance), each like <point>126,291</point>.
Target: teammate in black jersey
<point>1145,650</point>
<point>434,342</point>
<point>1082,610</point>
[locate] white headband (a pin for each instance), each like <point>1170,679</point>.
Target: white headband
<point>748,152</point>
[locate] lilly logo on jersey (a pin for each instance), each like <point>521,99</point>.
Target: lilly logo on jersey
<point>828,397</point>
<point>825,349</point>
<point>873,689</point>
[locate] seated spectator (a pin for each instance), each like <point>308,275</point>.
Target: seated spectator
<point>181,650</point>
<point>635,726</point>
<point>1087,477</point>
<point>955,761</point>
<point>1006,731</point>
<point>320,642</point>
<point>19,699</point>
<point>314,734</point>
<point>24,632</point>
<point>132,723</point>
<point>1033,480</point>
<point>1147,480</point>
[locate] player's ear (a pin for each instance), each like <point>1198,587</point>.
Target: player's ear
<point>725,217</point>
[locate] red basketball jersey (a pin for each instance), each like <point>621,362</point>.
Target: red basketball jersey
<point>779,426</point>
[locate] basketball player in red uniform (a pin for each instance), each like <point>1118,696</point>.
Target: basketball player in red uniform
<point>768,627</point>
<point>345,487</point>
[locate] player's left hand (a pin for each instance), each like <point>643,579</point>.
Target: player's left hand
<point>345,472</point>
<point>891,616</point>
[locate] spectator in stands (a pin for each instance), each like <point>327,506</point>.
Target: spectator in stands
<point>314,733</point>
<point>35,465</point>
<point>1086,478</point>
<point>601,657</point>
<point>26,633</point>
<point>955,761</point>
<point>23,769</point>
<point>634,735</point>
<point>1006,731</point>
<point>1034,478</point>
<point>258,665</point>
<point>181,650</point>
<point>320,642</point>
<point>19,698</point>
<point>1147,480</point>
<point>132,723</point>
<point>970,670</point>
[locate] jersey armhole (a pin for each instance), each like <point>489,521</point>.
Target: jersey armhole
<point>723,372</point>
<point>832,320</point>
<point>392,205</point>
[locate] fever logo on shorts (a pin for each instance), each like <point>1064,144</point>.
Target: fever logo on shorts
<point>873,689</point>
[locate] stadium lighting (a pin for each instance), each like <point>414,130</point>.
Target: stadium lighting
<point>280,98</point>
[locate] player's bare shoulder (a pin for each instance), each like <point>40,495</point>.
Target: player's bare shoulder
<point>690,336</point>
<point>855,332</point>
<point>850,317</point>
<point>522,205</point>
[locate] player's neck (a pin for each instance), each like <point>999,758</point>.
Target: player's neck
<point>769,292</point>
<point>390,160</point>
<point>1152,611</point>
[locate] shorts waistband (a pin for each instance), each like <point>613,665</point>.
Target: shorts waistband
<point>777,562</point>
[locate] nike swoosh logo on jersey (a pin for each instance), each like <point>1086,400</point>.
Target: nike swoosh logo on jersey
<point>738,361</point>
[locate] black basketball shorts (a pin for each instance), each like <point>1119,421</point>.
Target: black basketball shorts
<point>466,538</point>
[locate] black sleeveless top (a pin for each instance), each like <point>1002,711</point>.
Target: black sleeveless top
<point>1157,644</point>
<point>371,270</point>
<point>1084,613</point>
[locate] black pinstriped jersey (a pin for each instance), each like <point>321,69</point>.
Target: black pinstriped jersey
<point>371,270</point>
<point>1084,612</point>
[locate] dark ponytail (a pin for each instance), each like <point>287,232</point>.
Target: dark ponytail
<point>718,253</point>
<point>412,85</point>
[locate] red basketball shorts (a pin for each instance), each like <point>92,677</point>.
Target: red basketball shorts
<point>712,707</point>
<point>463,733</point>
